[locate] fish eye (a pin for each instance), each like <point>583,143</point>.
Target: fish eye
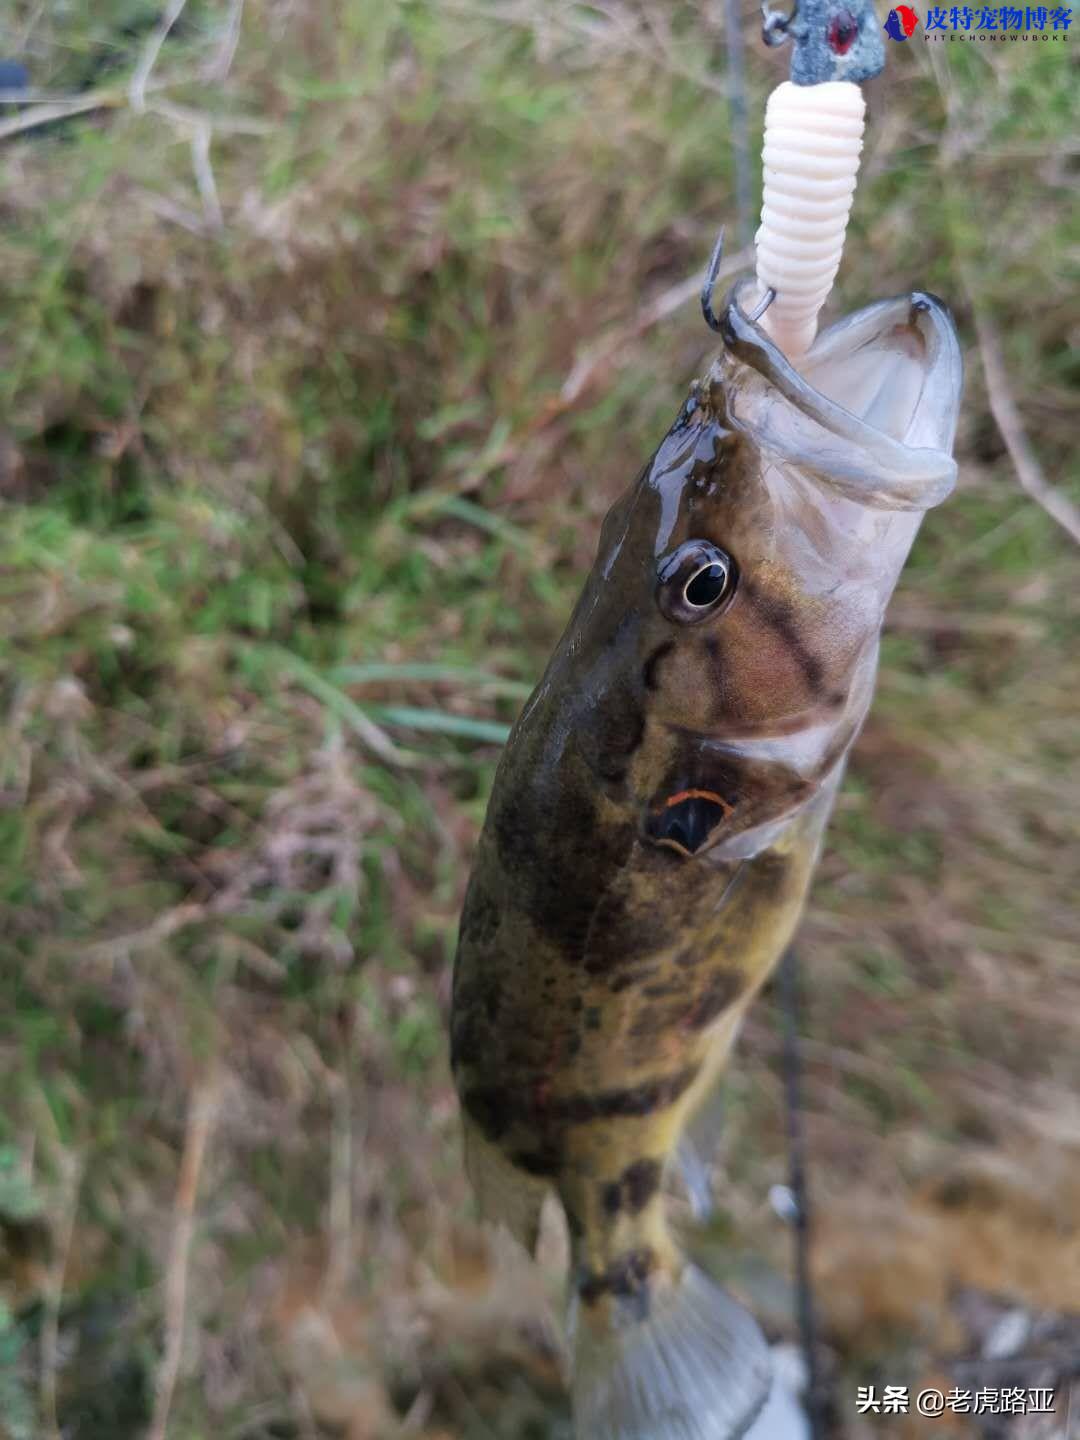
<point>707,586</point>
<point>842,31</point>
<point>694,581</point>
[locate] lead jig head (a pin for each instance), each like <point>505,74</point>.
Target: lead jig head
<point>832,39</point>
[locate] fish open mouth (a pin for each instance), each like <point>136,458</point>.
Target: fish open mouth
<point>685,821</point>
<point>872,407</point>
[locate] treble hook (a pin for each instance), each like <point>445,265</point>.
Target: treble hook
<point>710,284</point>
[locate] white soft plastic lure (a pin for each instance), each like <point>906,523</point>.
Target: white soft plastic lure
<point>813,139</point>
<point>810,161</point>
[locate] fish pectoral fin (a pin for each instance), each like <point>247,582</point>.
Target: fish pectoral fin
<point>693,1366</point>
<point>505,1194</point>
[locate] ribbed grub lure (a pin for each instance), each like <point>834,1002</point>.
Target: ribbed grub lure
<point>813,139</point>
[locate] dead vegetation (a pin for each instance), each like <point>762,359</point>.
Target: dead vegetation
<point>300,466</point>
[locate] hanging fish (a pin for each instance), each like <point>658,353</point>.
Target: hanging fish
<point>658,810</point>
<point>656,816</point>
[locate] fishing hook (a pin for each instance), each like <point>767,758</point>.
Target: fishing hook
<point>710,282</point>
<point>763,304</point>
<point>707,288</point>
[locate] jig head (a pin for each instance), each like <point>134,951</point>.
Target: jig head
<point>831,39</point>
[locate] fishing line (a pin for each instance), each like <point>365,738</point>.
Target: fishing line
<point>800,1192</point>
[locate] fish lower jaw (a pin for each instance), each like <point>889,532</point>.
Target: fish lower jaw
<point>806,820</point>
<point>759,838</point>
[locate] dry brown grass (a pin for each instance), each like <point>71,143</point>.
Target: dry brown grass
<point>351,429</point>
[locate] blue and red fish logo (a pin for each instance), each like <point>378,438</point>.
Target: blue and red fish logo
<point>901,22</point>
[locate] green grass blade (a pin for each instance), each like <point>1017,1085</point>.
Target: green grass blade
<point>340,705</point>
<point>377,671</point>
<point>441,723</point>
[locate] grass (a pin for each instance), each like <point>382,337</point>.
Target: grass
<point>292,514</point>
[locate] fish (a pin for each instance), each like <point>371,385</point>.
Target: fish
<point>655,820</point>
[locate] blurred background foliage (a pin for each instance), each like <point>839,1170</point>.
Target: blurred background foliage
<point>323,353</point>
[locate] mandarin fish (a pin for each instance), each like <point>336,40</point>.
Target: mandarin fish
<point>655,820</point>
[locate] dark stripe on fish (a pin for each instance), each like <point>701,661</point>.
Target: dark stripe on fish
<point>624,979</point>
<point>564,858</point>
<point>649,675</point>
<point>496,1109</point>
<point>624,931</point>
<point>778,614</point>
<point>665,990</point>
<point>617,740</point>
<point>543,1162</point>
<point>723,988</point>
<point>626,1278</point>
<point>635,1101</point>
<point>634,1188</point>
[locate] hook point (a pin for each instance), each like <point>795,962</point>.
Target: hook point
<point>710,282</point>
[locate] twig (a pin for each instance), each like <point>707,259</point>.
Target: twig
<point>65,107</point>
<point>54,1293</point>
<point>151,51</point>
<point>618,33</point>
<point>202,1110</point>
<point>32,19</point>
<point>301,1413</point>
<point>120,947</point>
<point>201,135</point>
<point>998,390</point>
<point>592,361</point>
<point>200,129</point>
<point>915,618</point>
<point>340,1219</point>
<point>1007,418</point>
<point>27,95</point>
<point>220,124</point>
<point>59,110</point>
<point>221,63</point>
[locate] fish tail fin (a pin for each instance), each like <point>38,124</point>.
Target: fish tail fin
<point>682,1361</point>
<point>505,1194</point>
